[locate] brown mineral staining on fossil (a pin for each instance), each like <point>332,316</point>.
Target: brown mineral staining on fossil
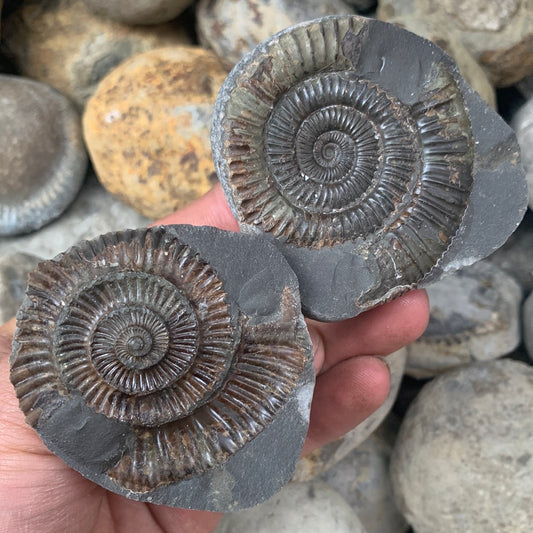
<point>148,368</point>
<point>147,128</point>
<point>352,144</point>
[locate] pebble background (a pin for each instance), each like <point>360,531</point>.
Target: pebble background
<point>460,444</point>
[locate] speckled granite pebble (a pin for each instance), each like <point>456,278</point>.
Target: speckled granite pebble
<point>299,508</point>
<point>43,160</point>
<point>14,269</point>
<point>463,458</point>
<point>474,316</point>
<point>60,42</point>
<point>323,458</point>
<point>138,11</point>
<point>147,128</point>
<point>221,27</point>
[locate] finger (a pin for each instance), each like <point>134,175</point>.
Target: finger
<point>380,331</point>
<point>209,210</point>
<point>344,396</point>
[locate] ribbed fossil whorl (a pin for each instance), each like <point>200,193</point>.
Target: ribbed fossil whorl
<point>141,328</point>
<point>321,140</point>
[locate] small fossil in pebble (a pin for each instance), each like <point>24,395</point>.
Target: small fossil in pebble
<point>159,362</point>
<point>43,160</point>
<point>356,147</point>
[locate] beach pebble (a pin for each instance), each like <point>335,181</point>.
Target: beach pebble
<point>61,43</point>
<point>147,128</point>
<point>299,508</point>
<point>474,316</point>
<point>220,22</point>
<point>43,160</point>
<point>138,11</point>
<point>463,459</point>
<point>324,458</point>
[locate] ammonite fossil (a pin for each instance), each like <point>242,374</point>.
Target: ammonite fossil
<point>359,150</point>
<point>170,365</point>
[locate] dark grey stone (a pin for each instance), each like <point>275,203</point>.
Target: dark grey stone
<point>14,270</point>
<point>441,199</point>
<point>43,160</point>
<point>250,422</point>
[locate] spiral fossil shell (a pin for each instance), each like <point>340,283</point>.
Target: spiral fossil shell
<point>161,350</point>
<point>347,136</point>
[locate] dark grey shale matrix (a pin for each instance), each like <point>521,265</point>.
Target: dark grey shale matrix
<point>357,148</point>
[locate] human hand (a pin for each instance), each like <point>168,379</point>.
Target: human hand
<point>40,493</point>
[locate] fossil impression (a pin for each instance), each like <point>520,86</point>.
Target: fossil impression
<point>359,150</point>
<point>169,365</point>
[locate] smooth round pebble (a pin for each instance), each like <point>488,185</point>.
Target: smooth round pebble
<point>474,316</point>
<point>463,458</point>
<point>14,270</point>
<point>63,44</point>
<point>363,479</point>
<point>324,458</point>
<point>138,11</point>
<point>220,22</point>
<point>298,508</point>
<point>147,128</point>
<point>43,160</point>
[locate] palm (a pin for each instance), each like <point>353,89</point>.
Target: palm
<point>41,493</point>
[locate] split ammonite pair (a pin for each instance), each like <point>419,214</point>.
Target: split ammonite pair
<point>173,365</point>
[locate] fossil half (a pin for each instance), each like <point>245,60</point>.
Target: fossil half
<point>358,149</point>
<point>169,365</point>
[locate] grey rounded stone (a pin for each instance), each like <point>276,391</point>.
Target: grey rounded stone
<point>363,479</point>
<point>138,11</point>
<point>523,125</point>
<point>14,270</point>
<point>43,159</point>
<point>329,455</point>
<point>463,459</point>
<point>221,26</point>
<point>299,508</point>
<point>474,316</point>
<point>527,314</point>
<point>92,213</point>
